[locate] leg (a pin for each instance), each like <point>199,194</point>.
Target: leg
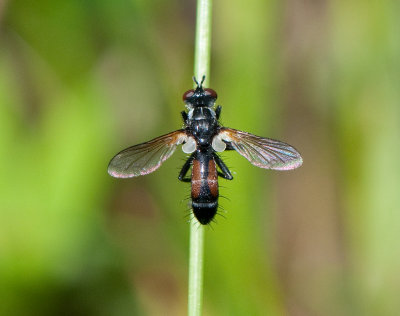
<point>184,116</point>
<point>220,174</point>
<point>218,111</point>
<point>185,169</point>
<point>226,174</point>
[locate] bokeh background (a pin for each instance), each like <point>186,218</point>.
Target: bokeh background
<point>81,80</point>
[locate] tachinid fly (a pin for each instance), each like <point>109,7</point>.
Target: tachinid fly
<point>203,137</point>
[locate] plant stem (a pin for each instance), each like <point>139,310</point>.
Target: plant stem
<point>203,40</point>
<point>196,269</point>
<point>201,68</point>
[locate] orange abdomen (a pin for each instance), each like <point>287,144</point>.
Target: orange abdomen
<point>204,188</point>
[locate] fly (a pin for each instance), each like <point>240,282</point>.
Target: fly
<point>203,138</point>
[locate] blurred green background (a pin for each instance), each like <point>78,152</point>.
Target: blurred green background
<point>81,80</point>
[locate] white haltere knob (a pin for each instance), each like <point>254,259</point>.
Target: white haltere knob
<point>217,144</point>
<point>189,146</point>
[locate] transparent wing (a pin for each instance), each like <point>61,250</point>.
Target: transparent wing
<point>146,157</point>
<point>262,152</point>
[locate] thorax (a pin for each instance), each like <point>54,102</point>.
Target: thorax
<point>202,124</point>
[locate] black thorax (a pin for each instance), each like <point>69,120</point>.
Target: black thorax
<point>203,125</point>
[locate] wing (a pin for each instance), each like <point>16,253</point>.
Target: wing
<point>262,152</point>
<point>145,158</point>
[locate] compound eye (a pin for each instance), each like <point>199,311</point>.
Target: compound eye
<point>211,93</point>
<point>187,95</point>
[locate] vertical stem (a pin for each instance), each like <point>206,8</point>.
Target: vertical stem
<point>203,40</point>
<point>201,68</point>
<point>195,301</point>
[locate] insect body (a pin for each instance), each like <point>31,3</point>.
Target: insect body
<point>203,137</point>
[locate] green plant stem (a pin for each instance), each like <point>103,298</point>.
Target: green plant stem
<point>196,269</point>
<point>201,68</point>
<point>203,40</point>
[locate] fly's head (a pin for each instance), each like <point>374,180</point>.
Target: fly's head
<point>200,96</point>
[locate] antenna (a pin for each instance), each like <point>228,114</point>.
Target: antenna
<point>201,83</point>
<point>202,80</point>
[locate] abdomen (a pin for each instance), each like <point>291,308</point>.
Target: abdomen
<point>204,188</point>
